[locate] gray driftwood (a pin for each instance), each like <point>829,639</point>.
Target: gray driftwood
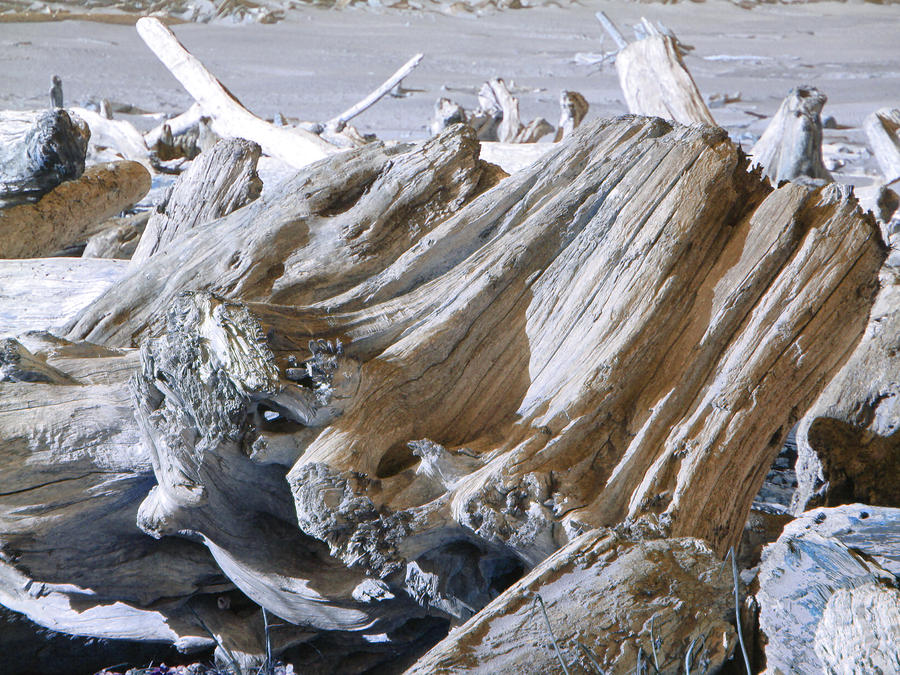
<point>38,151</point>
<point>791,146</point>
<point>654,78</point>
<point>573,108</point>
<point>849,440</point>
<point>63,215</point>
<point>219,181</point>
<point>818,554</point>
<point>394,385</point>
<point>883,131</point>
<point>610,602</point>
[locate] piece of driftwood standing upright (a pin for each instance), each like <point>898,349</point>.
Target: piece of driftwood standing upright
<point>219,181</point>
<point>791,146</point>
<point>654,79</point>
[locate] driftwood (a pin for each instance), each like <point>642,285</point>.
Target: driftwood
<point>883,131</point>
<point>64,214</point>
<point>395,385</point>
<point>229,118</point>
<point>45,293</point>
<point>791,146</point>
<point>573,108</point>
<point>654,79</point>
<point>337,123</point>
<point>820,553</point>
<point>112,140</point>
<point>219,181</point>
<point>118,239</point>
<point>604,601</point>
<point>38,151</point>
<point>848,440</point>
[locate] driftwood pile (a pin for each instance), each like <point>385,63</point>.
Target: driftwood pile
<point>407,390</point>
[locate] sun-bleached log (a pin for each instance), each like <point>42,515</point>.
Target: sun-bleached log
<point>63,215</point>
<point>113,139</point>
<point>219,181</point>
<point>655,79</point>
<point>882,129</point>
<point>45,293</point>
<point>229,118</point>
<point>791,146</point>
<point>38,151</point>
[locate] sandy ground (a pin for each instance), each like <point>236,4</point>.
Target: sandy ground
<point>317,62</point>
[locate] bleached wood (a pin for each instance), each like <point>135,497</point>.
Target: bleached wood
<point>573,108</point>
<point>113,139</point>
<point>656,81</point>
<point>45,293</point>
<point>337,123</point>
<point>230,119</point>
<point>883,132</point>
<point>218,181</point>
<point>791,146</point>
<point>397,382</point>
<point>64,214</point>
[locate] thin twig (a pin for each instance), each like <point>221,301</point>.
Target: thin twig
<point>590,657</point>
<point>538,598</point>
<point>737,608</point>
<point>687,658</point>
<point>653,646</point>
<point>337,123</point>
<point>234,663</point>
<point>268,642</point>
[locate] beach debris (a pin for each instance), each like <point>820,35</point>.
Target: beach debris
<point>791,146</point>
<point>883,132</point>
<point>38,151</point>
<point>65,213</point>
<point>653,75</point>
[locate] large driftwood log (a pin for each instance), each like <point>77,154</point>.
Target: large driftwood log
<point>883,131</point>
<point>38,151</point>
<point>610,602</point>
<point>791,146</point>
<point>388,389</point>
<point>229,118</point>
<point>219,181</point>
<point>113,140</point>
<point>313,239</point>
<point>67,212</point>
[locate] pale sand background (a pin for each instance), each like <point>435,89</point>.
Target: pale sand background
<point>318,62</point>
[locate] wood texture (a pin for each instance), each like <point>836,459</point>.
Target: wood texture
<point>66,213</point>
<point>883,132</point>
<point>38,151</point>
<point>791,146</point>
<point>219,181</point>
<point>610,602</point>
<point>655,81</point>
<point>397,383</point>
